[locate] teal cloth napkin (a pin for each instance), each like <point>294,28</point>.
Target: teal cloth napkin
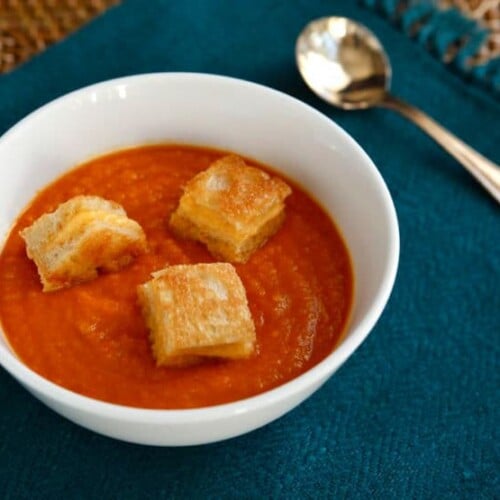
<point>414,413</point>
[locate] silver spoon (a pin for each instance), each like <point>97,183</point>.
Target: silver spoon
<point>345,64</point>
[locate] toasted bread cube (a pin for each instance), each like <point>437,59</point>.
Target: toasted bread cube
<point>82,236</point>
<point>232,208</point>
<point>197,311</point>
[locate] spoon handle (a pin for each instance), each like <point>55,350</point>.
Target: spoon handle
<point>484,170</point>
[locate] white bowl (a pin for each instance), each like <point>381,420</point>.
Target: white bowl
<point>225,113</point>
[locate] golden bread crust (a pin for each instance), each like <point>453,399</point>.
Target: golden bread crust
<point>82,236</point>
<point>197,311</point>
<point>232,208</point>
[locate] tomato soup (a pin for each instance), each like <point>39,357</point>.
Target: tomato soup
<point>92,339</point>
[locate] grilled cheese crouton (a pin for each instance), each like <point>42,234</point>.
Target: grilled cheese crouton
<point>195,312</point>
<point>232,208</point>
<point>82,236</point>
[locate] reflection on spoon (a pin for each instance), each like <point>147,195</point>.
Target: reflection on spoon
<point>345,64</point>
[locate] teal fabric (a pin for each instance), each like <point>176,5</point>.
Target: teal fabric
<point>414,413</point>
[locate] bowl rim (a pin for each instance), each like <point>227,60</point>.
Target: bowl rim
<point>319,372</point>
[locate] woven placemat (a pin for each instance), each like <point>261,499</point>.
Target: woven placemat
<point>463,34</point>
<point>29,26</point>
<point>487,14</point>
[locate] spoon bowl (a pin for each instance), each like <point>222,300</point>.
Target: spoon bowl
<point>345,64</point>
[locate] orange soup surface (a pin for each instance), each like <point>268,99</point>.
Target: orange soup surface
<point>91,338</point>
